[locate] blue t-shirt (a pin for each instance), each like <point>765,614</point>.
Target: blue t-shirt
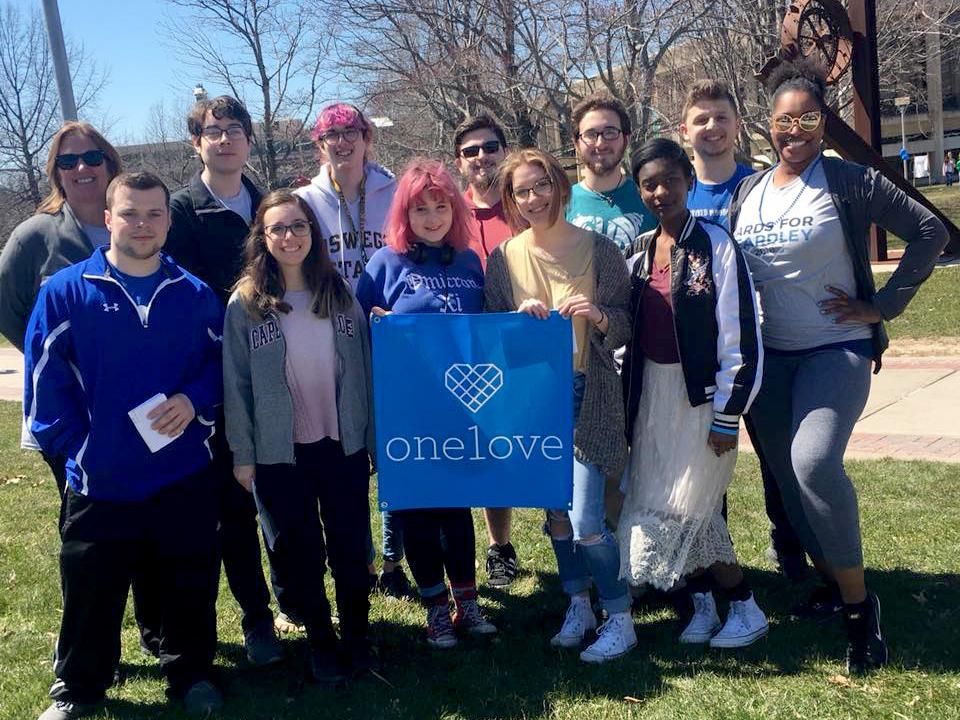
<point>395,282</point>
<point>141,289</point>
<point>712,202</point>
<point>619,214</point>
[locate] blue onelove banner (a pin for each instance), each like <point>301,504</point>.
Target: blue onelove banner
<point>473,410</point>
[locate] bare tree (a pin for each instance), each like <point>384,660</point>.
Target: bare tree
<point>29,105</point>
<point>526,61</point>
<point>270,54</point>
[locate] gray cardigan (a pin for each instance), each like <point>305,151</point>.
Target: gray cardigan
<point>599,437</point>
<point>38,247</point>
<point>257,401</point>
<point>863,196</point>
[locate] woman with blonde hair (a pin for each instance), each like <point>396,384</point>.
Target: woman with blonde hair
<point>67,227</point>
<point>554,265</point>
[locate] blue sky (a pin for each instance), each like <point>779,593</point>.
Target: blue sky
<point>125,37</point>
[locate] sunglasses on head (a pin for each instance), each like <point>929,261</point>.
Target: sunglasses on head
<point>489,147</point>
<point>68,161</point>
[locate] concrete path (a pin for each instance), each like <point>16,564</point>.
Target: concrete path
<point>913,411</point>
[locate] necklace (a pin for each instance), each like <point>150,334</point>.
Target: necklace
<point>608,199</point>
<point>804,179</point>
<point>361,216</point>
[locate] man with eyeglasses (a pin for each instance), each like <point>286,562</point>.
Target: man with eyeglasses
<point>210,219</point>
<point>479,146</point>
<point>606,200</point>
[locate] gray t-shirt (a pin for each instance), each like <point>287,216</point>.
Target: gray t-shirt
<point>241,203</point>
<point>97,234</point>
<point>794,245</point>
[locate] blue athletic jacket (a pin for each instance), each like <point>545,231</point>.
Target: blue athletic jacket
<point>90,358</point>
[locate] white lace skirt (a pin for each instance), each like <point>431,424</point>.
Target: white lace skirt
<point>671,523</point>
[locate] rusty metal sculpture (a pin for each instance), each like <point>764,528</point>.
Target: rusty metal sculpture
<point>841,39</point>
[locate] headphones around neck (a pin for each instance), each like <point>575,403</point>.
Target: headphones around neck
<point>418,253</point>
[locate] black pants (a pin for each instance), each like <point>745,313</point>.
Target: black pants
<point>440,539</point>
<point>170,539</point>
<point>239,545</point>
<point>311,512</point>
<point>782,535</point>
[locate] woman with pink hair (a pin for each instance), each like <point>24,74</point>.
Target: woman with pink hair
<point>427,267</point>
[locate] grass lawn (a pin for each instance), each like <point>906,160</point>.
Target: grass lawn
<point>934,312</point>
<point>947,199</point>
<point>912,534</point>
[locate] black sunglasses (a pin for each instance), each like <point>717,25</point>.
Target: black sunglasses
<point>68,161</point>
<point>489,147</point>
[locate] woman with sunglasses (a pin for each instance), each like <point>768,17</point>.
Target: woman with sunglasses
<point>804,228</point>
<point>553,265</point>
<point>350,197</point>
<point>67,227</point>
<point>296,364</point>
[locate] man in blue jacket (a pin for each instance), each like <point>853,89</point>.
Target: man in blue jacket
<point>123,330</point>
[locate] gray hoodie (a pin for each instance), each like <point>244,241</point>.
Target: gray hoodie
<point>335,218</point>
<point>257,402</point>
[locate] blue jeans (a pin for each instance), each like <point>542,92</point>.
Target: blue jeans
<point>392,538</point>
<point>581,564</point>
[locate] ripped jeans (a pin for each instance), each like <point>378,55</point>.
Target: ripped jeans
<point>588,553</point>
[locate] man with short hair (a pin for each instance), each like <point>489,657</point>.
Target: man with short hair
<point>479,146</point>
<point>123,376</point>
<point>210,219</point>
<point>710,123</point>
<point>606,200</point>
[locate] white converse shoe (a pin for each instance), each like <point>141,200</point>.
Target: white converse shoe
<point>745,624</point>
<point>578,621</point>
<point>705,621</point>
<point>615,638</point>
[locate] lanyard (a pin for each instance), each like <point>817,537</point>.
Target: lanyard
<point>361,216</point>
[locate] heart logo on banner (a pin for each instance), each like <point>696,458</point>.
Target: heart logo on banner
<point>473,385</point>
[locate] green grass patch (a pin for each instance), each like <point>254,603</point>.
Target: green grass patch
<point>911,526</point>
<point>946,199</point>
<point>934,312</point>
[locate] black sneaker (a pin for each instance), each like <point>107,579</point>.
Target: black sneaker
<point>360,658</point>
<point>394,584</point>
<point>866,648</point>
<point>823,604</point>
<point>501,565</point>
<point>324,666</point>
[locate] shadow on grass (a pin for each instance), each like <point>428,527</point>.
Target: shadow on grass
<point>516,674</point>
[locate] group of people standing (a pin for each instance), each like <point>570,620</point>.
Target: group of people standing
<point>171,427</point>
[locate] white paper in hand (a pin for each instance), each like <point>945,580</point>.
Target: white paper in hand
<point>154,440</point>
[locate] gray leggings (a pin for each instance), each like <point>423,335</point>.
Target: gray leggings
<point>804,415</point>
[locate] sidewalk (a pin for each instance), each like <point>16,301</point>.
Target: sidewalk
<point>913,412</point>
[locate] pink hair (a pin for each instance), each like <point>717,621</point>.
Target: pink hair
<point>426,177</point>
<point>342,114</point>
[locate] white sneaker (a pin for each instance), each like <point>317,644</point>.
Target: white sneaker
<point>616,637</point>
<point>578,621</point>
<point>705,621</point>
<point>745,624</point>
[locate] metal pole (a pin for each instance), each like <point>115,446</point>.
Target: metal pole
<point>58,51</point>
<point>903,137</point>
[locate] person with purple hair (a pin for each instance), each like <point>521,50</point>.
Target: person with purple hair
<point>427,267</point>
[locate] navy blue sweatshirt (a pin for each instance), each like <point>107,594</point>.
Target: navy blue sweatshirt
<point>396,282</point>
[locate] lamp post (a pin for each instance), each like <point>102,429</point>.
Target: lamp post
<point>902,103</point>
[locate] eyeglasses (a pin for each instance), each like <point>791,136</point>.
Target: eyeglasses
<point>542,188</point>
<point>214,133</point>
<point>489,148</point>
<point>350,135</point>
<point>68,161</point>
<point>592,136</point>
<point>300,228</point>
<point>808,122</point>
